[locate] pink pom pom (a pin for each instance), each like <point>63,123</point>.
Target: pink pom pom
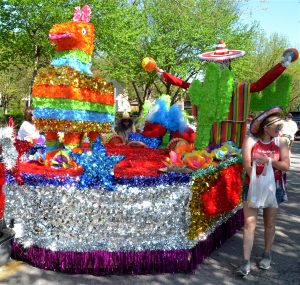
<point>77,14</point>
<point>86,14</point>
<point>173,157</point>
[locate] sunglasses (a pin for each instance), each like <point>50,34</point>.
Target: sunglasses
<point>277,127</point>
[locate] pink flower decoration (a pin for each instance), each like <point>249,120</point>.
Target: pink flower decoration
<point>83,15</point>
<point>86,14</point>
<point>77,14</point>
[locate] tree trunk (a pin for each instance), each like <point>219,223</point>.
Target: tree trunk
<point>139,97</point>
<point>37,52</point>
<point>5,107</point>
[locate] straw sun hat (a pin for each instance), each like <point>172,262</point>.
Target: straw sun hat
<point>255,124</point>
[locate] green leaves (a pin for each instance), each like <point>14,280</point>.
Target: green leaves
<point>173,33</point>
<point>24,25</point>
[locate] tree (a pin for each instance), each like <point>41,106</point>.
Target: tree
<point>172,32</point>
<point>13,87</point>
<point>266,53</point>
<point>121,32</point>
<point>24,27</point>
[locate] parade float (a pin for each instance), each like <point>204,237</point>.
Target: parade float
<point>89,205</point>
<point>8,158</point>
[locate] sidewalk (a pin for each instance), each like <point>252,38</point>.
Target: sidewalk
<point>218,269</point>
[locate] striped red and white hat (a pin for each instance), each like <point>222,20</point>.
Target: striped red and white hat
<point>221,53</point>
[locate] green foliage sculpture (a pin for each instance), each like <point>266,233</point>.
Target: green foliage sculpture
<point>276,94</point>
<point>212,98</point>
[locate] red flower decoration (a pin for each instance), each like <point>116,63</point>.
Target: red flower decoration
<point>153,130</point>
<point>139,161</point>
<point>189,135</point>
<point>225,194</point>
<point>48,171</point>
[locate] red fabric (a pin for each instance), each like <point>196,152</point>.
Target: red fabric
<point>269,149</point>
<point>224,195</point>
<point>194,111</point>
<point>22,147</point>
<point>153,130</point>
<point>2,174</point>
<point>267,78</point>
<point>171,79</point>
<point>139,161</point>
<point>93,136</point>
<point>189,135</point>
<point>2,203</point>
<point>35,168</point>
<point>2,196</point>
<point>51,136</point>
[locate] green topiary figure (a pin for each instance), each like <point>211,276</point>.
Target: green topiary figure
<point>277,93</point>
<point>212,98</point>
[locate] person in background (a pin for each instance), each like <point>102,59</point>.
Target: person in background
<point>265,144</point>
<point>289,129</point>
<point>249,120</point>
<point>27,131</point>
<point>125,126</point>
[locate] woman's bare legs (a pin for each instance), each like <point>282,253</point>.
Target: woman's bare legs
<point>250,219</point>
<point>269,225</point>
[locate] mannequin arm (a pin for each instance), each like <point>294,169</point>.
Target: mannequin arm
<point>171,79</point>
<point>267,78</point>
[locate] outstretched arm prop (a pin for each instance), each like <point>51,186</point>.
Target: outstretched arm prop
<point>289,56</point>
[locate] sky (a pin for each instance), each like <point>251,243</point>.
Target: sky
<point>276,16</point>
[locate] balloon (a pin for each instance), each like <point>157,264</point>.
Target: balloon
<point>148,63</point>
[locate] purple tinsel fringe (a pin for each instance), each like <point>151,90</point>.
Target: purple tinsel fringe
<point>143,262</point>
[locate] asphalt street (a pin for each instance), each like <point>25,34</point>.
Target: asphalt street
<point>218,269</point>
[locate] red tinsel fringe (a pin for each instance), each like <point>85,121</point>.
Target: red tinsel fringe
<point>139,161</point>
<point>35,168</point>
<point>2,203</point>
<point>224,195</point>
